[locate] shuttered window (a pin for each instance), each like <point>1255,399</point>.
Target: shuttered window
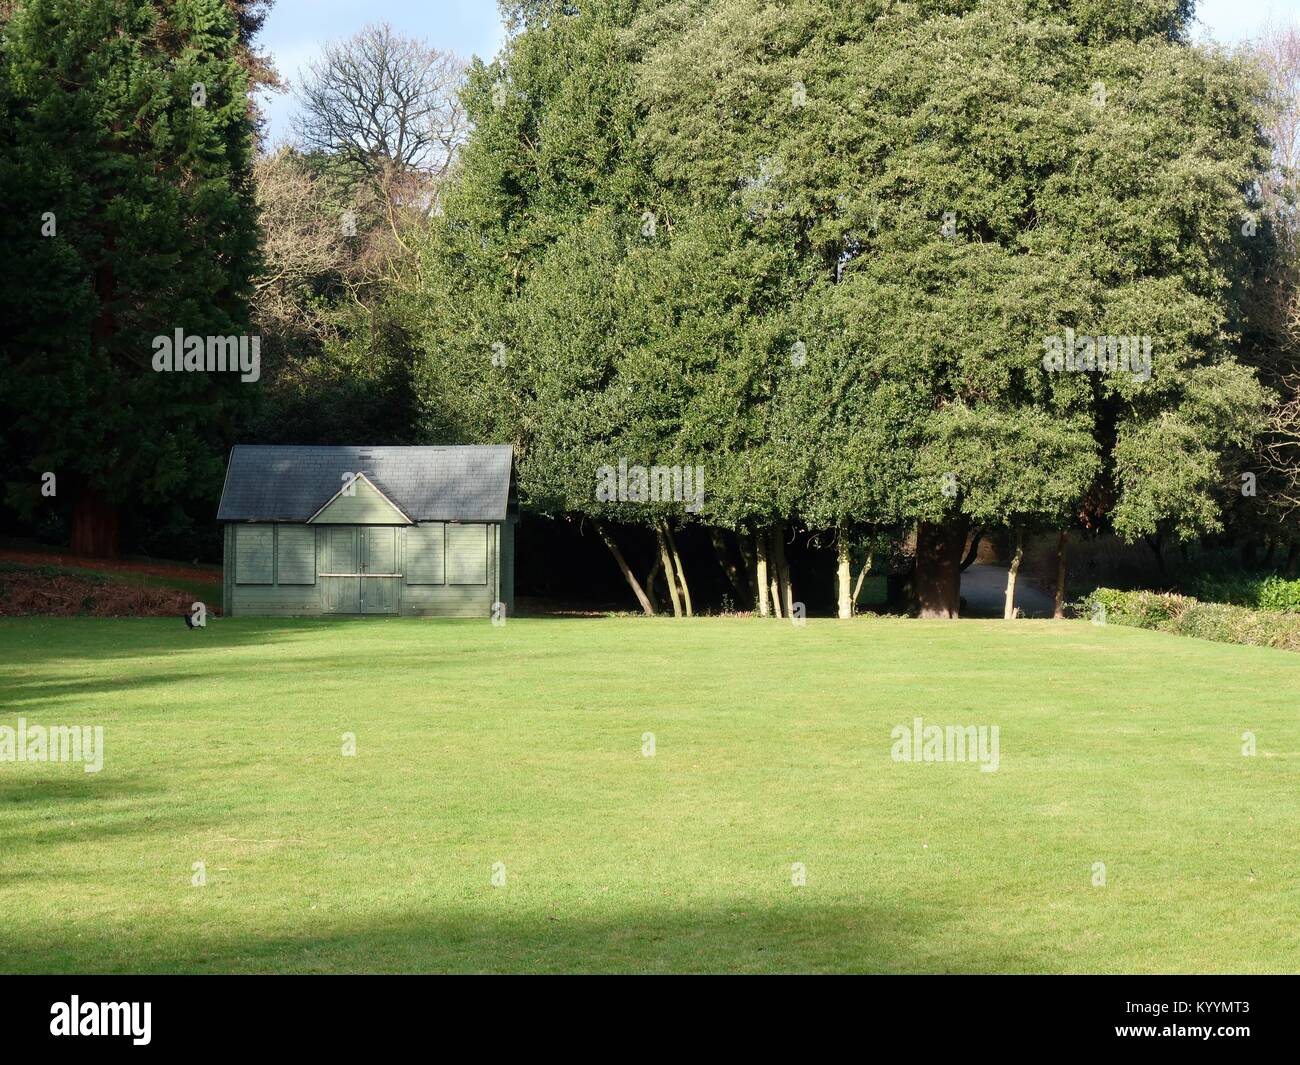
<point>295,554</point>
<point>254,545</point>
<point>467,554</point>
<point>424,555</point>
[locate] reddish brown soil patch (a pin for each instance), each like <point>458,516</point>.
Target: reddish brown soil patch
<point>65,596</point>
<point>111,565</point>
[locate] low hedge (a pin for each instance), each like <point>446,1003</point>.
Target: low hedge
<point>1264,593</point>
<point>1185,616</point>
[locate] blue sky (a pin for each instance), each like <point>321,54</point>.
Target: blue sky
<point>1235,20</point>
<point>296,29</point>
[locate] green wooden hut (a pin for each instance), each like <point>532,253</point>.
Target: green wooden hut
<point>369,530</point>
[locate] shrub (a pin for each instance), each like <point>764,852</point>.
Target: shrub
<point>1145,610</point>
<point>1184,616</point>
<point>1278,593</point>
<point>1265,593</point>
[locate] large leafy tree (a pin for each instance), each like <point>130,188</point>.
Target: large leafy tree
<point>128,216</point>
<point>964,181</point>
<point>536,269</point>
<point>870,221</point>
<point>575,309</point>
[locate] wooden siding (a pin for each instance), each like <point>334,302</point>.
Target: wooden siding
<point>381,595</point>
<point>425,561</point>
<point>337,550</point>
<point>467,554</point>
<point>451,601</point>
<point>255,554</point>
<point>472,553</point>
<point>494,563</point>
<point>228,572</point>
<point>380,554</point>
<point>507,534</point>
<point>295,554</point>
<point>366,506</point>
<point>290,600</point>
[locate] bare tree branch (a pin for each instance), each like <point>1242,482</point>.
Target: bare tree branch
<point>386,103</point>
<point>1277,51</point>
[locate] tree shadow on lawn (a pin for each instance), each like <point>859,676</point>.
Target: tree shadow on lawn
<point>78,807</point>
<point>52,812</point>
<point>93,829</point>
<point>27,643</point>
<point>78,786</point>
<point>749,937</point>
<point>46,692</point>
<point>37,684</point>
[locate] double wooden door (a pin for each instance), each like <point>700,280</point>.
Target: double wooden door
<point>360,569</point>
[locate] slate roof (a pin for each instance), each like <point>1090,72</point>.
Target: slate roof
<point>288,483</point>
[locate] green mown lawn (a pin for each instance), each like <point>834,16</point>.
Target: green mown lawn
<point>522,745</point>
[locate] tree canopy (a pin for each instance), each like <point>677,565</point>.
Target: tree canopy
<point>128,216</point>
<point>829,248</point>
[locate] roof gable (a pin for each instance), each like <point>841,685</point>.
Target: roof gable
<point>290,483</point>
<point>359,502</point>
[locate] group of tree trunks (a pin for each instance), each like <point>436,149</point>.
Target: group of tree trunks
<point>762,579</point>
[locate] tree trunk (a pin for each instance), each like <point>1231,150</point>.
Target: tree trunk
<point>646,606</point>
<point>728,564</point>
<point>94,526</point>
<point>972,552</point>
<point>774,567</point>
<point>652,580</point>
<point>748,565</point>
<point>1292,558</point>
<point>94,519</point>
<point>1058,611</point>
<point>862,576</point>
<point>844,580</point>
<point>1013,571</point>
<point>680,571</point>
<point>1157,545</point>
<point>938,568</point>
<point>760,575</point>
<point>668,569</point>
<point>782,570</point>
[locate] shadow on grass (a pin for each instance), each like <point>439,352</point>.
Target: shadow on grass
<point>91,829</point>
<point>78,786</point>
<point>46,692</point>
<point>78,807</point>
<point>29,642</point>
<point>749,937</point>
<point>44,684</point>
